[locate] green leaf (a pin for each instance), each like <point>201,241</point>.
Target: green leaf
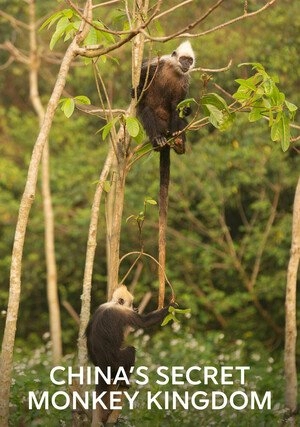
<point>291,107</point>
<point>186,103</point>
<point>132,125</point>
<point>215,100</point>
<point>68,106</point>
<point>255,114</point>
<point>53,18</point>
<point>130,217</point>
<point>280,131</point>
<point>91,38</point>
<point>285,133</point>
<point>82,99</point>
<point>227,121</point>
<point>255,65</point>
<point>103,35</point>
<point>62,24</point>
<point>167,319</point>
<point>150,201</point>
<point>246,83</point>
<point>182,310</point>
<point>107,128</point>
<point>215,115</point>
<point>172,312</point>
<point>275,131</point>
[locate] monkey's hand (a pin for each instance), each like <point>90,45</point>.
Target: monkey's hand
<point>172,304</point>
<point>186,111</point>
<point>159,142</point>
<point>178,143</point>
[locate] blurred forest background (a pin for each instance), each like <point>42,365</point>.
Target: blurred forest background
<point>231,197</point>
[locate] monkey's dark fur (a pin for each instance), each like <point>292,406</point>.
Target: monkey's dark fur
<point>108,328</point>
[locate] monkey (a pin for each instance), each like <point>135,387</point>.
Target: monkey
<point>106,333</point>
<point>164,82</point>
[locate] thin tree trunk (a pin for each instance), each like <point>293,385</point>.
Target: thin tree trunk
<point>115,200</point>
<point>52,291</point>
<point>89,262</point>
<point>6,360</point>
<point>290,311</point>
<point>115,209</point>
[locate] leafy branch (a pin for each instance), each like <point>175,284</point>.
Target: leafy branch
<point>258,96</point>
<point>172,314</point>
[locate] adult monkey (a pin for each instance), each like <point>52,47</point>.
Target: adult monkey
<point>164,83</point>
<point>106,334</point>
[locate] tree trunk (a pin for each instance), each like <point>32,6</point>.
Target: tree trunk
<point>6,360</point>
<point>115,204</point>
<point>52,291</point>
<point>115,200</point>
<point>89,262</point>
<point>290,311</point>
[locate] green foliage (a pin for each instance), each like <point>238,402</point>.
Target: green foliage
<point>107,128</point>
<point>217,111</point>
<point>31,373</point>
<point>68,104</point>
<point>172,314</point>
<point>261,94</point>
<point>132,125</point>
<point>67,24</point>
<point>141,216</point>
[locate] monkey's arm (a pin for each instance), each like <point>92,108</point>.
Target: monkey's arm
<point>154,126</point>
<point>145,321</point>
<point>148,72</point>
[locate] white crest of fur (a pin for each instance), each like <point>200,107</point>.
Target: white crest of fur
<point>122,293</point>
<point>185,49</point>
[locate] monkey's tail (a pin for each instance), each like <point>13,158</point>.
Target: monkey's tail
<point>164,171</point>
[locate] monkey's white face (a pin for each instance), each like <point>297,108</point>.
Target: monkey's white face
<point>123,297</point>
<point>183,58</point>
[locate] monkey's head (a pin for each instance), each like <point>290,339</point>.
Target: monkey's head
<point>183,58</point>
<point>123,297</point>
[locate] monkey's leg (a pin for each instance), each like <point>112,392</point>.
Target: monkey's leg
<point>178,135</point>
<point>155,128</point>
<point>101,414</point>
<point>115,413</point>
<point>126,358</point>
<point>97,417</point>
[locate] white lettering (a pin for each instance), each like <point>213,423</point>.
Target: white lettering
<point>188,375</point>
<point>242,369</point>
<point>152,399</point>
<point>52,378</point>
<point>218,396</point>
<point>131,399</point>
<point>211,376</point>
<point>139,372</point>
<point>161,374</point>
<point>44,400</point>
<point>254,399</point>
<point>205,402</point>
